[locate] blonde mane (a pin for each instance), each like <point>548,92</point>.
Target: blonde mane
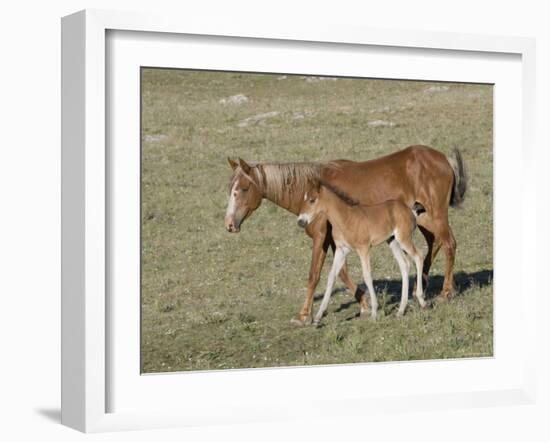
<point>277,180</point>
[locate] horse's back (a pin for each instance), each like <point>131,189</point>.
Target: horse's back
<point>390,210</point>
<point>395,160</point>
<point>406,175</point>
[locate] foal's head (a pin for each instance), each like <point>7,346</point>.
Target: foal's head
<point>310,207</point>
<point>319,198</point>
<point>244,195</point>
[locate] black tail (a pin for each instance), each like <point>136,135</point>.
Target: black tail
<point>460,180</point>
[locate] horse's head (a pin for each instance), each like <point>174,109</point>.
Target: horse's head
<point>311,206</point>
<point>245,195</point>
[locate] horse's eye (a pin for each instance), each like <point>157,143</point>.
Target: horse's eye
<point>312,200</point>
<point>245,190</point>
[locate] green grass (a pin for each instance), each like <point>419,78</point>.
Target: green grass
<point>213,300</point>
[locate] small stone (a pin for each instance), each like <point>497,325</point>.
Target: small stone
<point>381,123</point>
<point>301,115</point>
<point>318,79</point>
<point>380,110</point>
<point>234,99</point>
<point>155,138</point>
<point>257,119</point>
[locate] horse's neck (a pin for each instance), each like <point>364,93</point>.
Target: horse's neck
<point>285,184</point>
<point>290,201</point>
<point>337,211</point>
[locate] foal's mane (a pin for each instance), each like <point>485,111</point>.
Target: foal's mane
<point>340,193</point>
<point>279,179</point>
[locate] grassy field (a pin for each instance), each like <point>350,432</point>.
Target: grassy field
<point>214,300</point>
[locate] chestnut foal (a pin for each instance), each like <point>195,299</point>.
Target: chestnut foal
<point>361,227</point>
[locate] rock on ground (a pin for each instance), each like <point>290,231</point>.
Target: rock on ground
<point>318,79</point>
<point>257,119</point>
<point>154,138</point>
<point>234,99</point>
<point>381,123</point>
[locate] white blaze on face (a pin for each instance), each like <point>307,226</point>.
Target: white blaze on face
<point>304,217</point>
<point>232,202</point>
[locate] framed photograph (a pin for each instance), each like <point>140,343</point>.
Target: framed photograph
<point>267,222</point>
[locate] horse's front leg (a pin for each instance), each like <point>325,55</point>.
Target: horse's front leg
<point>359,294</point>
<point>318,256</point>
<point>354,289</point>
<point>339,260</point>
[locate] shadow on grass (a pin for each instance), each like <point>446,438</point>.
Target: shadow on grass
<point>392,287</point>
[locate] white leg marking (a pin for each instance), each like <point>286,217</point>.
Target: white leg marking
<point>413,253</point>
<point>404,266</point>
<point>337,264</point>
<point>419,290</point>
<point>365,264</point>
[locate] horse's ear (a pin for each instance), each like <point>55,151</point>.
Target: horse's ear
<point>232,163</point>
<point>244,166</point>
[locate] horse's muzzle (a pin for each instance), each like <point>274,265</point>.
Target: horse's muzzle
<point>232,226</point>
<point>302,222</point>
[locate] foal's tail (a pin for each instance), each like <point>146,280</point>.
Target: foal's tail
<point>460,179</point>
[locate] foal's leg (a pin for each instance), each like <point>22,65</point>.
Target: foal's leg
<point>339,260</point>
<point>359,294</point>
<point>404,266</point>
<point>409,247</point>
<point>365,265</point>
<point>419,292</point>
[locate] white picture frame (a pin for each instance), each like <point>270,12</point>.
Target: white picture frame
<point>87,356</point>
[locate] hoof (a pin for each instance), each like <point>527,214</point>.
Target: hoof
<point>400,313</point>
<point>442,298</point>
<point>426,306</point>
<point>447,293</point>
<point>301,322</point>
<point>365,314</point>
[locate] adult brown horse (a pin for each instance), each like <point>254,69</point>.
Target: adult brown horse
<point>416,174</point>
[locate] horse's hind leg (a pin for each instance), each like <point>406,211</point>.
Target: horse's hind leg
<point>408,245</point>
<point>404,267</point>
<point>448,243</point>
<point>438,224</point>
<point>365,264</point>
<point>434,245</point>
